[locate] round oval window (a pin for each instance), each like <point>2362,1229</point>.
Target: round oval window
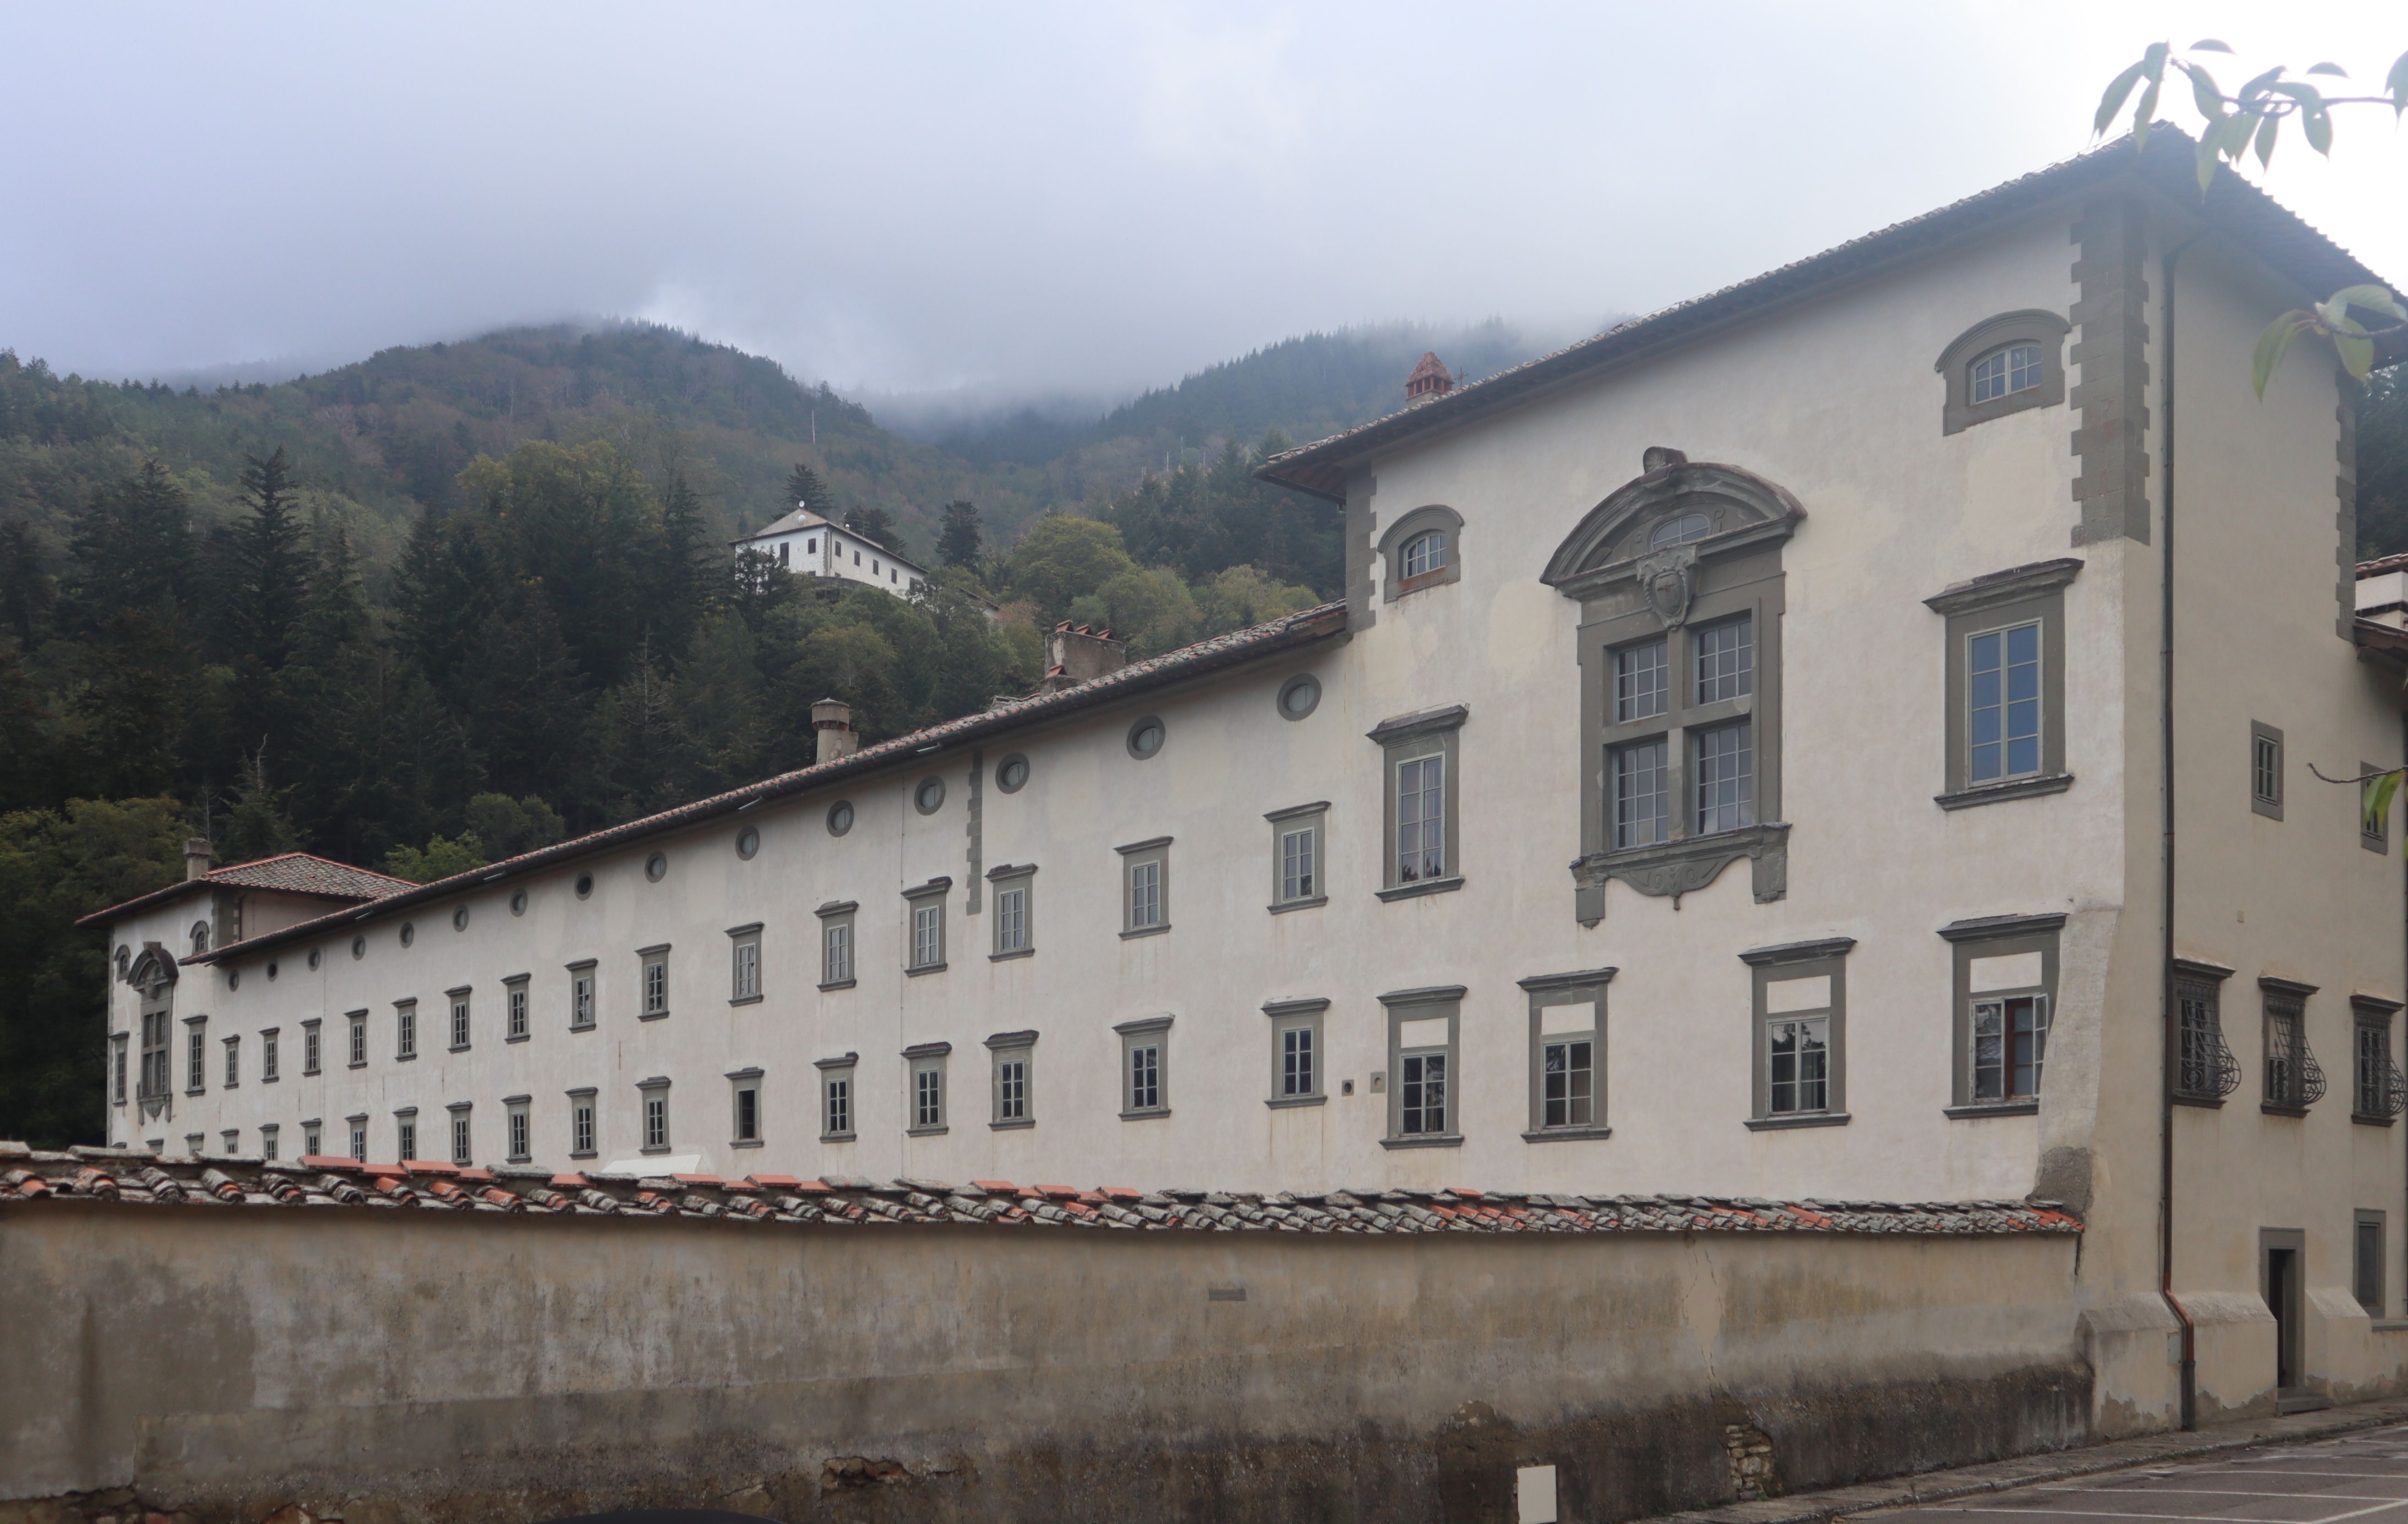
<point>930,796</point>
<point>1300,695</point>
<point>1012,774</point>
<point>748,841</point>
<point>1145,737</point>
<point>839,819</point>
<point>233,980</point>
<point>460,918</point>
<point>314,957</point>
<point>584,884</point>
<point>409,932</point>
<point>359,947</point>
<point>656,867</point>
<point>518,903</point>
<point>271,970</point>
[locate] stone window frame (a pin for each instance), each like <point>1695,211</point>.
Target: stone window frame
<point>197,1054</point>
<point>462,1031</point>
<point>2266,770</point>
<point>404,1133</point>
<point>926,1058</point>
<point>355,1132</point>
<point>1313,817</point>
<point>742,940</point>
<point>585,1112</point>
<point>844,1069</point>
<point>2286,998</point>
<point>313,1136</point>
<point>2377,841</point>
<point>2026,326</point>
<point>652,1003</point>
<point>357,1038</point>
<point>517,1129</point>
<point>740,1084</point>
<point>1006,1048</point>
<point>1995,601</point>
<point>1003,769</point>
<point>518,1008</point>
<point>652,1116</point>
<point>1630,593</point>
<point>1308,1015</point>
<point>1425,1003</point>
<point>2196,979</point>
<point>270,1136</point>
<point>1971,941</point>
<point>1008,879</point>
<point>2367,1270</point>
<point>1410,737</point>
<point>2374,1011</point>
<point>585,994</point>
<point>463,1132</point>
<point>405,1030</point>
<point>1157,851</point>
<point>918,900</point>
<point>1556,991</point>
<point>1785,963</point>
<point>231,1045</point>
<point>268,1055</point>
<point>838,916</point>
<point>117,1046</point>
<point>1146,1032</point>
<point>1410,526</point>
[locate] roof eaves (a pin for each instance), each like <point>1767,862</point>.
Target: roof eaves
<point>1304,628</point>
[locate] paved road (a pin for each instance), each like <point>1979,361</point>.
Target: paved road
<point>2362,1475</point>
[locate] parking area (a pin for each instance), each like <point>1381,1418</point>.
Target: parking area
<point>2359,1475</point>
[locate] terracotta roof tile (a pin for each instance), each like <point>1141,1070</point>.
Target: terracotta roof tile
<point>291,873</point>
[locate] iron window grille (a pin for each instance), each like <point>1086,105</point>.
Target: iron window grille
<point>2205,1068</point>
<point>2379,1089</point>
<point>2294,1080</point>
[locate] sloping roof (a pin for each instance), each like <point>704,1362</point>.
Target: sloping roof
<point>2259,223</point>
<point>2382,564</point>
<point>801,518</point>
<point>129,1175</point>
<point>291,873</point>
<point>1222,652</point>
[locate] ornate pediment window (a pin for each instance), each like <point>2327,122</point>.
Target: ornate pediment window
<point>1677,576</point>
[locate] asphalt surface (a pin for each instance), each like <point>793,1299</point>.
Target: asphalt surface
<point>2362,1475</point>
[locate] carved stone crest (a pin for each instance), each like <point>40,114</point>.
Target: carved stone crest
<point>1669,580</point>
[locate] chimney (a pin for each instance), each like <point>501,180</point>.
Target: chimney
<point>833,719</point>
<point>196,857</point>
<point>1428,382</point>
<point>1075,655</point>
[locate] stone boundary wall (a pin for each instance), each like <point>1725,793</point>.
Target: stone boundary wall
<point>390,1366</point>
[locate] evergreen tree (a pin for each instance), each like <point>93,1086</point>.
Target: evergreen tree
<point>874,524</point>
<point>805,490</point>
<point>132,548</point>
<point>961,541</point>
<point>25,593</point>
<point>269,562</point>
<point>681,576</point>
<point>256,827</point>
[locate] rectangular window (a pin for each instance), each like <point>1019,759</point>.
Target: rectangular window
<point>359,1150</point>
<point>2365,1261</point>
<point>2010,1045</point>
<point>1145,887</point>
<point>1421,1029</point>
<point>230,1140</point>
<point>267,1055</point>
<point>459,1019</point>
<point>656,1119</point>
<point>1299,1075</point>
<point>1568,1096</point>
<point>1421,818</point>
<point>836,1102</point>
<point>195,1057</point>
<point>406,1029</point>
<point>1643,794</point>
<point>746,1122</point>
<point>1013,1055</point>
<point>268,1138</point>
<point>744,967</point>
<point>2265,771</point>
<point>1642,679</point>
<point>1300,853</point>
<point>2207,1071</point>
<point>581,996</point>
<point>1145,1073</point>
<point>514,1008</point>
<point>2293,1078</point>
<point>927,1099</point>
<point>1298,862</point>
<point>313,1140</point>
<point>2002,670</point>
<point>1800,996</point>
<point>580,1124</point>
<point>2378,1092</point>
<point>404,1136</point>
<point>1724,763</point>
<point>836,951</point>
<point>232,1061</point>
<point>359,1024</point>
<point>1296,1063</point>
<point>1144,1077</point>
<point>462,1151</point>
<point>655,984</point>
<point>521,1132</point>
<point>2004,987</point>
<point>1012,918</point>
<point>155,1054</point>
<point>928,934</point>
<point>1724,653</point>
<point>2374,828</point>
<point>312,1049</point>
<point>116,1069</point>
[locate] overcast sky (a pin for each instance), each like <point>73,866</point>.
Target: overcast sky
<point>918,196</point>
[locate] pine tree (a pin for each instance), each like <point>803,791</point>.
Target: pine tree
<point>268,562</point>
<point>25,593</point>
<point>679,579</point>
<point>257,825</point>
<point>805,490</point>
<point>874,524</point>
<point>960,543</point>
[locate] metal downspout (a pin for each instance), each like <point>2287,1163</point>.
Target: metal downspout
<point>2170,1059</point>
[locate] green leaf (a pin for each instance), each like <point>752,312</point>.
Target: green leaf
<point>2356,355</point>
<point>2146,113</point>
<point>2209,44</point>
<point>2395,82</point>
<point>2231,134</point>
<point>2273,345</point>
<point>2372,299</point>
<point>2258,86</point>
<point>2206,163</point>
<point>2334,69</point>
<point>2317,124</point>
<point>2203,92</point>
<point>2376,798</point>
<point>2266,130</point>
<point>2118,91</point>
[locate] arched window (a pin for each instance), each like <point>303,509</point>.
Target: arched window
<point>2004,371</point>
<point>1425,553</point>
<point>1422,548</point>
<point>1681,529</point>
<point>200,937</point>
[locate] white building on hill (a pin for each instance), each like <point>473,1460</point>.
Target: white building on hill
<point>807,544</point>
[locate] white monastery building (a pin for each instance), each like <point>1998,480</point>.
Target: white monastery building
<point>809,545</point>
<point>1745,763</point>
